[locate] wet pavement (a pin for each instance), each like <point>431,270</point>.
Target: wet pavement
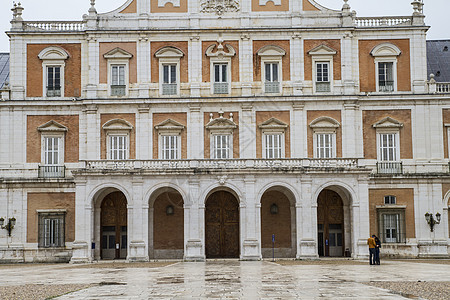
<point>226,279</point>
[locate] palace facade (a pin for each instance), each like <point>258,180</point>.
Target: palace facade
<point>222,129</point>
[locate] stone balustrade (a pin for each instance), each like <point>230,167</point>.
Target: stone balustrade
<point>53,25</point>
<point>216,164</point>
<point>443,87</point>
<point>382,21</point>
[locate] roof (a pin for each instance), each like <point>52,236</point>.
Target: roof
<point>4,69</point>
<point>438,59</point>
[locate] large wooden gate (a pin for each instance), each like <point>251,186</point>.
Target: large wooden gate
<point>330,224</point>
<point>222,226</point>
<point>114,226</point>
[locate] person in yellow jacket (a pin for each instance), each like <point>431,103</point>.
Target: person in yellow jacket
<point>372,246</point>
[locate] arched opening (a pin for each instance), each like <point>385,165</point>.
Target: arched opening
<point>222,225</point>
<point>333,223</point>
<point>166,222</point>
<point>278,228</point>
<point>113,226</point>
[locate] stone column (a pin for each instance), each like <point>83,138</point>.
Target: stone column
<point>298,131</point>
<point>195,148</point>
<point>18,67</point>
<point>194,220</point>
<point>93,132</point>
<point>360,220</point>
<point>82,248</point>
<point>306,209</point>
<point>93,67</point>
<point>143,133</point>
<point>143,66</point>
<point>247,132</point>
<point>348,63</point>
<point>195,64</point>
<point>246,64</point>
<point>350,129</point>
<point>250,222</point>
<point>138,219</point>
<point>297,64</point>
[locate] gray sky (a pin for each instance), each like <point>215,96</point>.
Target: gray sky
<point>35,10</point>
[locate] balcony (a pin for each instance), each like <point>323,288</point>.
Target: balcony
<point>54,91</point>
<point>383,21</point>
<point>220,87</point>
<point>235,165</point>
<point>323,87</point>
<point>272,87</point>
<point>386,86</point>
<point>169,88</point>
<point>118,90</point>
<point>389,167</point>
<point>51,171</point>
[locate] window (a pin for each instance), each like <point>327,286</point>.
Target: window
<point>221,146</point>
<point>385,56</point>
<point>51,229</point>
<point>170,146</point>
<point>273,135</point>
<point>220,79</point>
<point>322,65</point>
<point>390,200</point>
<point>324,137</point>
<point>169,132</point>
<point>388,145</point>
<point>52,150</point>
<point>118,80</point>
<point>117,133</point>
<point>169,65</point>
<point>53,64</point>
<point>53,81</point>
<point>118,147</point>
<point>221,135</point>
<point>220,62</point>
<point>273,145</point>
<point>118,86</point>
<point>271,63</point>
<point>392,225</point>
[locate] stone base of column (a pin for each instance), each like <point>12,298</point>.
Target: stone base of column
<point>251,250</point>
<point>433,249</point>
<point>80,253</point>
<point>137,252</point>
<point>194,251</point>
<point>12,254</point>
<point>307,249</point>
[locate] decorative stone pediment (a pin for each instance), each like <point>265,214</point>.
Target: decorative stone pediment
<point>118,53</point>
<point>117,124</point>
<point>219,50</point>
<point>221,123</point>
<point>322,50</point>
<point>264,2</point>
<point>52,126</point>
<point>219,7</point>
<point>273,123</point>
<point>170,125</point>
<point>324,123</point>
<point>271,50</point>
<point>53,53</point>
<point>388,122</point>
<point>169,52</point>
<point>385,49</point>
<point>162,3</point>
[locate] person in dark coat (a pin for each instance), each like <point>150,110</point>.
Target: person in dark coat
<point>377,250</point>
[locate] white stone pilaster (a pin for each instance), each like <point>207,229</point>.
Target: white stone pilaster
<point>360,220</point>
<point>18,67</point>
<point>93,67</point>
<point>349,130</point>
<point>297,63</point>
<point>84,226</point>
<point>143,133</point>
<point>298,131</point>
<point>195,64</point>
<point>195,148</point>
<point>251,229</point>
<point>246,64</point>
<point>143,66</point>
<point>93,133</point>
<point>306,209</point>
<point>247,132</point>
<point>194,220</point>
<point>138,219</point>
<point>348,66</point>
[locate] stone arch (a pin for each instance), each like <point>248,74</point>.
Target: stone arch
<point>154,190</point>
<point>278,219</point>
<point>223,187</point>
<point>105,188</point>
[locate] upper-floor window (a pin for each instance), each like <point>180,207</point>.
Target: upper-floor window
<point>117,139</point>
<point>388,145</point>
<point>221,146</point>
<point>118,66</point>
<point>221,136</point>
<point>52,149</point>
<point>220,67</point>
<point>322,66</point>
<point>324,137</point>
<point>271,63</point>
<point>169,65</point>
<point>385,56</point>
<point>169,133</point>
<point>273,138</point>
<point>53,64</point>
<point>390,200</point>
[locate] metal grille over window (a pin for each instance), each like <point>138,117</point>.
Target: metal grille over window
<point>392,225</point>
<point>170,147</point>
<point>118,147</point>
<point>53,81</point>
<point>221,146</point>
<point>118,86</point>
<point>51,230</point>
<point>220,79</point>
<point>273,146</point>
<point>169,85</point>
<point>272,84</point>
<point>385,77</point>
<point>322,77</point>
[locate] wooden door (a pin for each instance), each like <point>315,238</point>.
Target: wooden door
<point>330,224</point>
<point>114,226</point>
<point>222,226</point>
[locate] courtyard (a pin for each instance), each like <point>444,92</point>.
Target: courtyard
<point>284,279</point>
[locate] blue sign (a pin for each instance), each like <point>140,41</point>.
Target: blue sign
<point>273,238</point>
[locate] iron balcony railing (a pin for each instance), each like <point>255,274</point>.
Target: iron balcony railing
<point>118,90</point>
<point>272,87</point>
<point>389,167</point>
<point>220,87</point>
<point>169,88</point>
<point>386,86</point>
<point>54,91</point>
<point>323,87</point>
<point>52,171</point>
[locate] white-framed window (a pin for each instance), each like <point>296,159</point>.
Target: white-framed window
<point>220,67</point>
<point>118,71</point>
<point>273,138</point>
<point>385,59</point>
<point>392,225</point>
<point>118,146</point>
<point>448,138</point>
<point>53,65</point>
<point>390,200</point>
<point>169,66</point>
<point>322,66</point>
<point>273,145</point>
<point>170,146</point>
<point>221,146</point>
<point>324,137</point>
<point>221,136</point>
<point>117,139</point>
<point>51,229</point>
<point>169,133</point>
<point>271,65</point>
<point>53,150</point>
<point>388,148</point>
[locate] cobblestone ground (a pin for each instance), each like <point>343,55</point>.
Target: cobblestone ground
<point>287,279</point>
